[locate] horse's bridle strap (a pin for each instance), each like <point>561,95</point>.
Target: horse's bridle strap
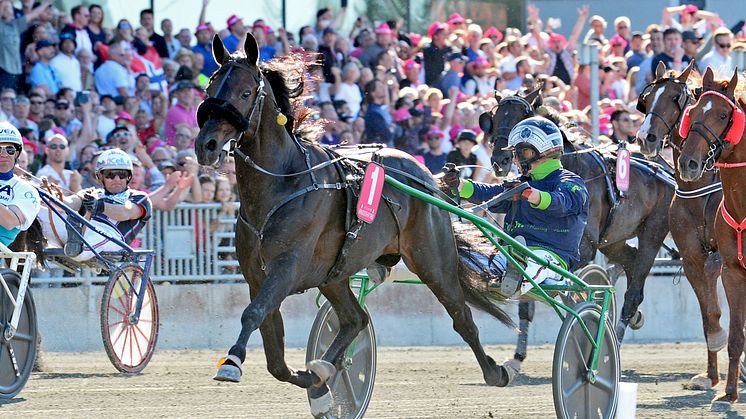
<point>225,109</point>
<point>735,225</point>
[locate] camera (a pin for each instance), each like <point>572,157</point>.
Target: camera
<point>82,97</point>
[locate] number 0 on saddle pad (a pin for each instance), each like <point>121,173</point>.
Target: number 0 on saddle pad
<point>370,195</point>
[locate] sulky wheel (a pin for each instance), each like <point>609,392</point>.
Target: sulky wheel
<point>129,342</point>
<point>595,275</point>
<point>17,348</point>
<point>352,386</point>
<point>574,395</point>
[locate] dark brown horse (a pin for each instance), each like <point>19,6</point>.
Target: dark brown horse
<point>713,131</point>
<point>642,213</point>
<point>694,206</point>
<point>292,230</point>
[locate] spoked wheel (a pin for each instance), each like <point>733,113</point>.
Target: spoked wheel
<point>743,364</point>
<point>17,350</point>
<point>352,386</point>
<point>129,342</point>
<point>575,396</point>
<point>596,275</point>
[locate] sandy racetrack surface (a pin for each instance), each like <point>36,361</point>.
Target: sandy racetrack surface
<point>410,383</point>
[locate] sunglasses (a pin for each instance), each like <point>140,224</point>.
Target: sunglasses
<point>121,174</point>
<point>724,46</point>
<point>59,107</point>
<point>120,134</point>
<point>9,98</point>
<point>57,146</point>
<point>10,149</point>
<point>34,102</point>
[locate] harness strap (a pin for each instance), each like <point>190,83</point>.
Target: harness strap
<point>729,165</point>
<point>739,227</point>
<point>54,190</point>
<point>245,157</point>
<point>700,192</point>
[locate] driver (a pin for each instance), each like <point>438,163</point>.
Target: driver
<point>551,214</point>
<point>19,200</point>
<point>116,210</point>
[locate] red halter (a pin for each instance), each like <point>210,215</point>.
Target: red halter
<point>739,227</point>
<point>736,123</point>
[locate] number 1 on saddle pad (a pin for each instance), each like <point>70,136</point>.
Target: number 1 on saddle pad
<point>370,195</point>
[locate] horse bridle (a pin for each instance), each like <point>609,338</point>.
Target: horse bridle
<point>715,147</point>
<point>682,103</point>
<point>527,109</point>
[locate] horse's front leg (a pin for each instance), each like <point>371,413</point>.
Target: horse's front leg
<point>273,337</point>
<point>280,282</point>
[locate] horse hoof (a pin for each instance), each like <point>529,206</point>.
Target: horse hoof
<point>510,371</point>
<point>699,382</point>
<point>228,370</point>
<point>637,321</point>
<point>716,342</point>
<point>321,401</point>
<point>721,406</point>
<point>322,369</point>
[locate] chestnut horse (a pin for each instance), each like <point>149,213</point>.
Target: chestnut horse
<point>713,130</point>
<point>694,206</point>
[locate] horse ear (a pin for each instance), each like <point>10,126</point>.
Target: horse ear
<point>251,48</point>
<point>498,96</point>
<point>219,53</point>
<point>732,84</point>
<point>485,122</point>
<point>660,70</point>
<point>685,74</point>
<point>707,79</point>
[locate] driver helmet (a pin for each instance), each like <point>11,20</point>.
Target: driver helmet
<point>114,159</point>
<point>10,134</point>
<point>538,134</point>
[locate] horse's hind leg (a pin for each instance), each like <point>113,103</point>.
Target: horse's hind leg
<point>440,274</point>
<point>525,316</point>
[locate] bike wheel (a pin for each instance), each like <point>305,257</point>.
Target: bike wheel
<point>129,343</point>
<point>595,275</point>
<point>17,352</point>
<point>352,385</point>
<point>574,395</point>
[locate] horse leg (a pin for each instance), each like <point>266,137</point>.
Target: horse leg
<point>275,288</point>
<point>624,255</point>
<point>273,338</point>
<point>525,316</point>
<point>735,290</point>
<point>440,275</point>
<point>352,319</point>
<point>704,284</point>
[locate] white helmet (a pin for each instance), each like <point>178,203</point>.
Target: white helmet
<point>10,134</point>
<point>114,159</point>
<point>538,132</point>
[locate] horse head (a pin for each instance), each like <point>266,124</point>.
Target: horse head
<point>498,122</point>
<point>233,107</point>
<point>711,128</point>
<point>663,101</point>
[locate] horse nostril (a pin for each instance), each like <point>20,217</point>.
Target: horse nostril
<point>651,138</point>
<point>693,165</point>
<point>211,144</point>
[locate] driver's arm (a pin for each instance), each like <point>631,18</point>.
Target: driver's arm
<point>123,212</point>
<point>11,217</point>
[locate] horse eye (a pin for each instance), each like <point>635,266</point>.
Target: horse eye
<point>723,116</point>
<point>246,94</point>
<point>676,98</point>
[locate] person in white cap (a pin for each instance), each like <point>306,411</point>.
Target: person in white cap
<point>19,200</point>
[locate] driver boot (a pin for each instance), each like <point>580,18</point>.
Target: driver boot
<point>74,245</point>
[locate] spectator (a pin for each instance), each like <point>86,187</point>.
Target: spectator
<point>434,156</point>
<point>148,54</point>
<point>673,53</point>
<point>185,38</point>
<point>622,26</point>
<point>383,40</point>
<point>237,33</point>
<point>508,63</point>
<point>348,90</point>
<point>172,43</point>
<point>411,74</point>
<point>452,76</point>
<point>435,53</point>
<point>158,42</point>
<point>42,74</point>
<point>57,152</point>
<point>65,65</point>
<point>183,137</point>
<point>480,82</point>
<point>720,58</point>
<point>95,29</point>
<point>86,70</point>
<point>204,48</point>
<point>596,33</point>
<point>11,29</point>
<point>21,113</point>
<point>105,122</point>
<point>462,156</point>
<point>123,32</point>
<point>186,163</point>
<point>183,112</point>
<point>329,54</point>
<point>622,128</point>
<point>645,75</point>
<point>378,119</point>
<point>113,77</point>
<point>636,54</point>
<point>81,17</point>
<point>36,107</point>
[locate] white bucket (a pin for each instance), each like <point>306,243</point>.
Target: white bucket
<point>627,405</point>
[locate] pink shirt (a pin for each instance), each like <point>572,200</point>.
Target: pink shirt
<point>176,115</point>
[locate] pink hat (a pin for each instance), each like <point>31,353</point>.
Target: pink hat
<point>415,38</point>
<point>58,130</point>
<point>402,114</point>
<point>492,31</point>
<point>455,19</point>
<point>383,29</point>
<point>618,41</point>
<point>481,61</point>
<point>557,38</point>
<point>233,20</point>
<point>260,26</point>
<point>435,28</point>
<point>201,27</point>
<point>690,8</point>
<point>31,144</point>
<point>410,63</point>
<point>433,132</point>
<point>124,116</point>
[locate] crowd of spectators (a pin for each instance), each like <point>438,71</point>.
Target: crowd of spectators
<point>74,86</point>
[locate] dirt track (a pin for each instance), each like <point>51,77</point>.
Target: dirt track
<point>411,383</point>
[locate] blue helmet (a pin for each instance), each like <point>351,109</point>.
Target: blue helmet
<point>537,132</point>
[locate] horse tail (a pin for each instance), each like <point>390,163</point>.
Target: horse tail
<point>31,240</point>
<point>473,278</point>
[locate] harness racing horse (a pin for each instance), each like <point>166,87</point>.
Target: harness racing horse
<point>713,130</point>
<point>642,213</point>
<point>693,209</point>
<point>292,233</point>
